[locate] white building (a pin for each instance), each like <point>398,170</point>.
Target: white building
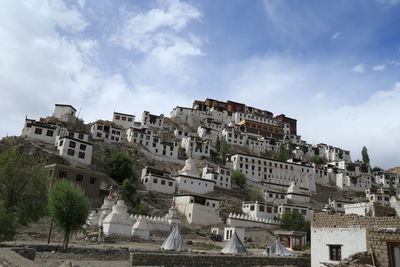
<point>274,196</point>
<point>331,153</point>
<point>258,209</point>
<point>348,183</point>
<point>179,134</point>
<point>189,116</point>
<point>221,176</point>
<point>336,206</point>
<point>208,133</point>
<point>124,120</point>
<point>361,208</point>
<point>43,132</point>
<point>213,124</point>
<point>65,113</point>
<point>295,194</point>
<point>189,180</point>
<point>156,180</point>
<point>74,149</point>
<point>274,173</point>
<point>198,209</point>
<point>378,196</point>
<point>234,137</point>
<point>384,179</point>
<point>106,131</point>
<point>196,148</point>
<point>151,120</point>
<point>303,210</point>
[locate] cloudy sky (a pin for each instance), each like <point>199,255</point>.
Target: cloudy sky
<point>333,65</point>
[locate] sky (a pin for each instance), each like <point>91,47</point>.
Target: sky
<point>334,65</point>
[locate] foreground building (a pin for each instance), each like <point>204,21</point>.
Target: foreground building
<point>335,237</point>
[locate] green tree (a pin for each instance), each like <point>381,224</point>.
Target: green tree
<point>238,177</point>
<point>68,207</point>
<point>119,166</point>
<point>284,152</point>
<point>218,145</point>
<point>364,154</point>
<point>294,221</point>
<point>377,169</point>
<point>392,191</point>
<point>23,192</point>
<point>223,150</point>
<point>317,160</point>
<point>132,198</point>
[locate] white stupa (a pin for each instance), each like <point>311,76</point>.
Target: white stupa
<point>118,221</point>
<point>189,169</point>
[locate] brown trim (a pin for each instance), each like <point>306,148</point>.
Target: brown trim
<point>131,115</point>
<point>74,139</point>
<point>196,178</point>
<point>294,164</point>
<point>194,195</point>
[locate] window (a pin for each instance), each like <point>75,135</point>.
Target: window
<point>80,136</point>
<point>72,144</point>
<point>70,152</point>
<point>83,147</point>
<point>100,127</point>
<point>155,180</point>
<point>394,253</point>
<point>163,182</point>
<point>50,133</point>
<point>38,131</point>
<point>92,180</point>
<point>117,117</point>
<point>79,178</point>
<point>61,143</point>
<point>251,207</point>
<point>335,252</point>
<point>169,183</point>
<point>98,135</point>
<point>124,118</point>
<point>130,119</point>
<point>62,174</point>
<point>81,155</point>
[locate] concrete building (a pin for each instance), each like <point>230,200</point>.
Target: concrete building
<point>93,183</point>
<point>77,151</point>
<point>303,210</point>
<point>336,206</point>
<point>150,120</point>
<point>221,176</point>
<point>331,153</point>
<point>378,196</point>
<point>256,209</point>
<point>234,137</point>
<point>353,183</point>
<point>65,113</point>
<point>106,131</point>
<point>156,180</point>
<point>41,131</point>
<point>384,179</point>
<point>335,237</point>
<point>208,134</point>
<point>198,209</point>
<point>196,148</point>
<point>275,173</point>
<point>124,120</point>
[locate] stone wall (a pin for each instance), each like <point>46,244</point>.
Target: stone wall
<point>377,241</point>
<point>193,260</point>
<point>17,257</point>
<point>322,220</point>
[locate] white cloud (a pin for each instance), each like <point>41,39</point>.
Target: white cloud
<point>360,68</point>
<point>388,3</point>
<point>380,67</point>
<point>336,35</point>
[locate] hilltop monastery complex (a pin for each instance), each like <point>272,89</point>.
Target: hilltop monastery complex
<point>191,137</point>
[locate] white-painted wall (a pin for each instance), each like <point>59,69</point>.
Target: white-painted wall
<point>124,120</point>
<point>196,213</point>
<point>194,184</point>
<point>81,152</point>
<point>353,240</point>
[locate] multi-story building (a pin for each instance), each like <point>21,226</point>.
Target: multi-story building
<point>274,173</point>
<point>258,209</point>
<point>263,129</point>
<point>221,176</point>
<point>44,132</point>
<point>74,147</point>
<point>156,180</point>
<point>378,196</point>
<point>331,153</point>
<point>197,209</point>
<point>196,148</point>
<point>150,120</point>
<point>303,210</point>
<point>124,120</point>
<point>208,134</point>
<point>65,113</point>
<point>106,131</point>
<point>234,137</point>
<point>358,183</point>
<point>387,178</point>
<point>286,120</point>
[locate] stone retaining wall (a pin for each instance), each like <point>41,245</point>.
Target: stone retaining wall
<point>17,257</point>
<point>162,259</point>
<point>322,220</point>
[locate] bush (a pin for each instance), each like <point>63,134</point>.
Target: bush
<point>119,166</point>
<point>238,177</point>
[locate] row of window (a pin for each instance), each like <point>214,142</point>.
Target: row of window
<point>123,118</point>
<point>78,178</point>
<point>40,130</point>
<point>276,165</point>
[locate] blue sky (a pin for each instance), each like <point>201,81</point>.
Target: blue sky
<point>333,65</point>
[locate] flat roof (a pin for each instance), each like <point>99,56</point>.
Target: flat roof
<point>274,160</point>
<point>64,105</point>
<point>124,114</point>
<point>194,195</point>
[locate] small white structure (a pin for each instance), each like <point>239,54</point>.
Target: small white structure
<point>207,134</point>
<point>65,113</point>
<point>296,195</point>
<point>174,241</point>
<point>105,209</point>
<point>256,209</point>
<point>140,229</point>
<point>156,180</point>
<point>274,196</point>
<point>234,246</point>
<point>124,120</point>
<point>74,150</point>
<point>151,120</point>
<point>362,208</point>
<point>241,220</point>
<point>336,206</point>
<point>303,210</point>
<point>221,175</point>
<point>198,209</point>
<point>228,233</point>
<point>118,221</point>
